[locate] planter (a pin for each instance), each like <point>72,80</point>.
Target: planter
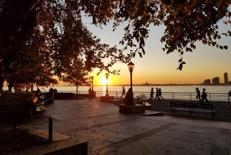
<point>106,98</point>
<point>132,109</point>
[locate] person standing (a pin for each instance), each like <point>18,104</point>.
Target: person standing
<point>123,92</point>
<point>198,94</point>
<point>204,96</point>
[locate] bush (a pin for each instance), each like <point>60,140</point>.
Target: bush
<point>15,106</point>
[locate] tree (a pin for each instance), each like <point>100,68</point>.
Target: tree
<point>76,73</point>
<point>17,23</point>
<point>28,71</point>
<point>57,30</point>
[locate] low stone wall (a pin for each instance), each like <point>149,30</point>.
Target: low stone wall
<point>65,147</point>
<point>79,149</point>
<point>132,109</point>
<point>70,96</point>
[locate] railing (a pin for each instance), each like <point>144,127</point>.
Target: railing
<point>168,95</point>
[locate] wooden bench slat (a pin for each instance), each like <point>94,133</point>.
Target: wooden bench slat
<point>192,107</point>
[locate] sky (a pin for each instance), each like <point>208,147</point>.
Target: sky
<point>157,67</point>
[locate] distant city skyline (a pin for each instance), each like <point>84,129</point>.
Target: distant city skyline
<point>216,80</point>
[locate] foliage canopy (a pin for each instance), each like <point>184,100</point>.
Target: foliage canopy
<point>55,32</point>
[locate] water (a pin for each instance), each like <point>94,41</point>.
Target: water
<point>209,89</point>
<point>215,93</point>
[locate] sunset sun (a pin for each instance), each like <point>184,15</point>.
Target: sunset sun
<point>104,81</point>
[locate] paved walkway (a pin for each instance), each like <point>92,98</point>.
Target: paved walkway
<point>109,132</point>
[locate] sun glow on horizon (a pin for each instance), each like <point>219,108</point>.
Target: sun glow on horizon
<point>103,81</point>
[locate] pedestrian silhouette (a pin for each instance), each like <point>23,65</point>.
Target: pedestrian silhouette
<point>160,93</point>
<point>152,94</point>
<point>229,93</point>
<point>129,97</point>
<point>89,91</point>
<point>123,92</point>
<point>157,94</point>
<point>198,94</point>
<point>204,96</point>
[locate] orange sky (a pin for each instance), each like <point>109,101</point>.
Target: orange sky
<point>160,68</point>
<point>206,62</point>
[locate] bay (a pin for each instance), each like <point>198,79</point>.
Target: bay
<point>215,93</point>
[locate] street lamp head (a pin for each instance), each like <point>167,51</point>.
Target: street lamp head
<point>106,75</point>
<point>131,66</point>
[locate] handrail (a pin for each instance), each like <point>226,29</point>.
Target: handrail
<point>166,95</point>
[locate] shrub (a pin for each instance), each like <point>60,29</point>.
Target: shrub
<point>15,106</point>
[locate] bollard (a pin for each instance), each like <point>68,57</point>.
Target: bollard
<point>50,129</point>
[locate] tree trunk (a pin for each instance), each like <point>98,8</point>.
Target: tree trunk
<point>1,84</point>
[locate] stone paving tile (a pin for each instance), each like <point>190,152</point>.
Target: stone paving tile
<point>132,127</point>
<point>220,151</point>
<point>95,145</point>
<point>194,122</point>
<point>159,144</point>
<point>224,139</point>
<point>190,135</point>
<point>109,132</point>
<point>108,135</point>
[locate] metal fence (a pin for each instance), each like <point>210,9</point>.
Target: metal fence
<point>169,95</point>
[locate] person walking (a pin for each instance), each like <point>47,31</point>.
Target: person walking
<point>204,96</point>
<point>157,94</point>
<point>198,94</point>
<point>229,93</point>
<point>160,94</point>
<point>123,92</point>
<point>152,94</point>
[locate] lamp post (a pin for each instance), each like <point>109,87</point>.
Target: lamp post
<point>106,75</point>
<point>130,107</point>
<point>106,98</point>
<point>130,68</point>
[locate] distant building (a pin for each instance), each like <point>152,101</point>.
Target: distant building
<point>146,84</point>
<point>226,80</point>
<point>216,81</point>
<point>207,82</point>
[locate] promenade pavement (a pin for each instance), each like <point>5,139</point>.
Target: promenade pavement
<point>109,132</point>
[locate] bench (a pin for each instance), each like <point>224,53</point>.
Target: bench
<point>141,99</point>
<point>192,108</point>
